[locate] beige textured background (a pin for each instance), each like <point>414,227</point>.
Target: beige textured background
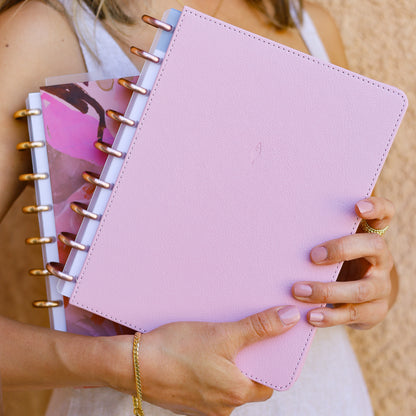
<point>379,38</point>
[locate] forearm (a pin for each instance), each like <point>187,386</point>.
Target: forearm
<point>34,357</point>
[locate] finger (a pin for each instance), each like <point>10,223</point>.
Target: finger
<point>358,291</point>
<point>260,326</point>
<point>259,393</point>
<point>372,247</point>
<point>378,212</point>
<point>360,316</point>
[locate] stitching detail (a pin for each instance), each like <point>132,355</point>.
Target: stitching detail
<point>330,66</point>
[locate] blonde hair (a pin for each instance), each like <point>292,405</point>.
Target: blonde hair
<point>111,14</point>
<point>276,11</point>
<point>104,9</point>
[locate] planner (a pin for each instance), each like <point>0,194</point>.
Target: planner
<point>235,158</point>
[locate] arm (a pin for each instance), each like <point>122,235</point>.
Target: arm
<point>196,377</point>
<point>26,60</point>
<point>34,357</point>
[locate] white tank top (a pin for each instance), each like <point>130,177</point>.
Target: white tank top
<point>104,58</point>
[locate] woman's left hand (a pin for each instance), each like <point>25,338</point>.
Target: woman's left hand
<point>362,294</point>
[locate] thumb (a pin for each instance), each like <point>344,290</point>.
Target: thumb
<point>262,325</point>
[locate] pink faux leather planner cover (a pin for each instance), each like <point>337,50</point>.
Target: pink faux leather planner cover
<point>247,155</point>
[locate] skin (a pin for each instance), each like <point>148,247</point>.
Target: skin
<point>198,378</point>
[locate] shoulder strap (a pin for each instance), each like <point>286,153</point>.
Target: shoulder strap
<point>309,34</point>
<point>102,55</point>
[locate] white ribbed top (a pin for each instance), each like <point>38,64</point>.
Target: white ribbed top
<point>103,56</point>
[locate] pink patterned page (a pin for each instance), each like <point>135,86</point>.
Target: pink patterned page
<point>74,117</point>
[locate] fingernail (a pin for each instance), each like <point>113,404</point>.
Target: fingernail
<point>302,291</point>
<point>319,254</point>
<point>288,315</point>
<point>316,316</point>
<point>365,207</point>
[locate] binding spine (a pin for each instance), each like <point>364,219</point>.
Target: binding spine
<point>103,183</point>
<point>116,154</point>
<point>40,177</point>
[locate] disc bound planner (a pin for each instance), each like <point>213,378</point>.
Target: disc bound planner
<point>236,157</point>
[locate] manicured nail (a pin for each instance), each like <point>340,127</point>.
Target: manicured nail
<point>319,254</point>
<point>302,291</point>
<point>316,316</point>
<point>288,315</point>
<point>365,207</point>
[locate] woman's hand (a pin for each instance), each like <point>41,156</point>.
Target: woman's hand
<point>364,290</point>
<point>188,367</point>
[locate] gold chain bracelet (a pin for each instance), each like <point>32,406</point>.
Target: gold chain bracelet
<point>137,398</point>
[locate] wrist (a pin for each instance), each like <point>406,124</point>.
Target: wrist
<point>78,358</point>
<point>115,368</point>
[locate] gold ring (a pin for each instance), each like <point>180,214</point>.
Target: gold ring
<point>38,272</point>
<point>57,270</point>
<point>81,209</point>
<point>34,209</point>
<point>46,303</point>
<point>144,54</point>
<point>39,240</point>
<point>131,86</point>
<point>27,112</point>
<point>158,24</point>
<point>69,240</point>
<point>94,179</point>
<point>121,118</point>
<point>29,145</point>
<point>106,148</point>
<point>366,228</point>
<point>33,176</point>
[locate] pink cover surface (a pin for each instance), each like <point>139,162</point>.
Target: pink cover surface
<point>247,155</point>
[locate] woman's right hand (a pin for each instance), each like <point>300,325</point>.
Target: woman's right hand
<point>188,367</point>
